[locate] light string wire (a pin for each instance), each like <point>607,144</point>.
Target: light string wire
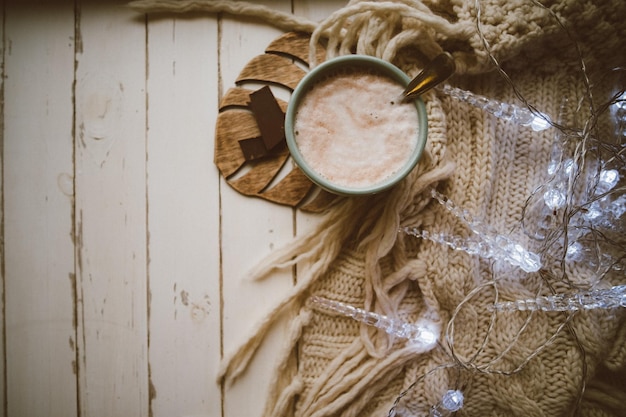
<point>447,346</point>
<point>506,76</point>
<point>487,368</point>
<point>586,142</point>
<point>581,150</point>
<point>566,323</point>
<point>484,241</point>
<point>396,403</point>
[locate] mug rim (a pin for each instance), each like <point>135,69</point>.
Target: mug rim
<point>310,79</point>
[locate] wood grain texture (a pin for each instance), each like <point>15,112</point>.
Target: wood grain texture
<point>251,229</point>
<point>110,186</point>
<point>124,250</point>
<point>183,218</point>
<point>260,174</point>
<point>296,45</point>
<point>273,69</point>
<point>38,198</point>
<point>237,96</point>
<point>272,178</point>
<point>232,126</point>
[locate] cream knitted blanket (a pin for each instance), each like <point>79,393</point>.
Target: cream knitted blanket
<point>509,363</point>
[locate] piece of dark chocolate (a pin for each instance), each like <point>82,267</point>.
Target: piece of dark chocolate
<point>269,117</point>
<point>253,148</point>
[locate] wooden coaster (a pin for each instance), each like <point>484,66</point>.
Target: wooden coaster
<point>254,176</point>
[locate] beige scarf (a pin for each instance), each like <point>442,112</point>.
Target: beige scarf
<point>510,363</point>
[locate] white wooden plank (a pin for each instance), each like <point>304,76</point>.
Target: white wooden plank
<point>251,229</point>
<point>317,10</point>
<point>111,211</point>
<point>38,169</point>
<point>183,191</point>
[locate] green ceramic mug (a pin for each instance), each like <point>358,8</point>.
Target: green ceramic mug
<point>341,66</point>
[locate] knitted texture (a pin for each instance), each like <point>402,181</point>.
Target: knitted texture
<point>497,166</point>
<point>509,363</point>
<point>384,28</point>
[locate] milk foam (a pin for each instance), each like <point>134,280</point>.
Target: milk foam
<point>350,132</point>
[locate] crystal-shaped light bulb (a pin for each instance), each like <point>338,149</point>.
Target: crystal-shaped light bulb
<point>505,111</point>
<point>574,252</point>
<point>618,110</point>
<point>593,211</point>
<point>540,123</point>
<point>554,198</point>
<point>451,402</point>
<point>483,242</point>
<point>424,333</point>
<point>586,300</point>
<point>617,208</point>
<point>607,180</point>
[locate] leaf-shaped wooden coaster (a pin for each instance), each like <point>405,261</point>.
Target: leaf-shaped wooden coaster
<point>258,177</point>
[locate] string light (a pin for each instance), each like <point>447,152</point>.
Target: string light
<point>606,209</point>
<point>424,334</point>
<point>595,299</point>
<point>509,112</point>
<point>581,204</point>
<point>618,111</point>
<point>451,402</point>
<point>487,247</point>
<point>580,201</point>
<point>482,242</point>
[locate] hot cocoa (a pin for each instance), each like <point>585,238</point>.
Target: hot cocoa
<point>350,130</point>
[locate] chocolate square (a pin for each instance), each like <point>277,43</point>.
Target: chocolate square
<point>269,117</point>
<point>253,148</point>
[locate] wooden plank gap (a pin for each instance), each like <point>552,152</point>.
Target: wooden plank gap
<point>220,94</point>
<point>151,388</point>
<point>78,49</point>
<point>3,342</point>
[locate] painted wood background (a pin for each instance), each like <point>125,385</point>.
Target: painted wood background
<point>123,251</point>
